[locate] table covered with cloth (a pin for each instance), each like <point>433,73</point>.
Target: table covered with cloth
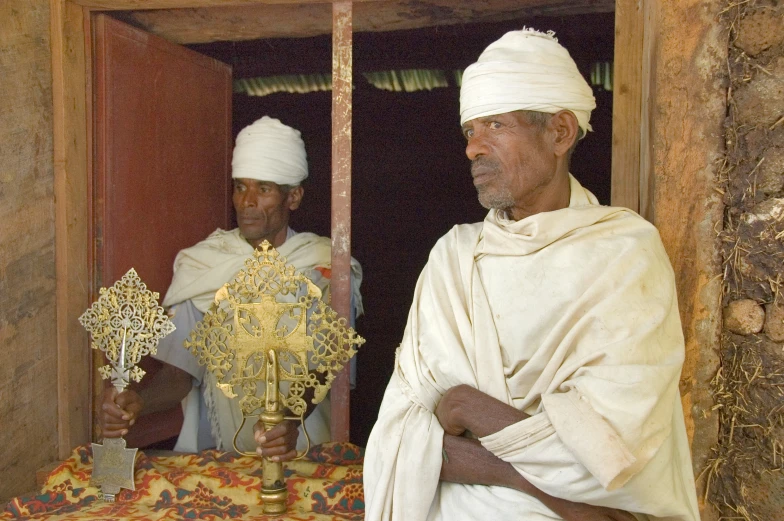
<point>211,485</point>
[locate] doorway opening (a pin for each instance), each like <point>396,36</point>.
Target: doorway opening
<point>410,177</point>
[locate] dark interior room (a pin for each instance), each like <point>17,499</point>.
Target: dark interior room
<point>410,175</point>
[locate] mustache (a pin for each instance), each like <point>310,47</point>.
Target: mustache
<point>249,215</point>
<point>484,165</point>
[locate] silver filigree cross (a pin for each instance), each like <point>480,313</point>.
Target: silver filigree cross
<point>125,323</point>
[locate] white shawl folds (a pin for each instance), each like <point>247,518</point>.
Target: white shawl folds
<point>201,270</point>
<point>570,316</point>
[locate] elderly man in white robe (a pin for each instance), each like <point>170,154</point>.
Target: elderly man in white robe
<point>269,164</point>
<point>537,378</point>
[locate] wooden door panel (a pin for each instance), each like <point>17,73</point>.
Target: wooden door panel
<point>162,155</point>
<point>163,150</point>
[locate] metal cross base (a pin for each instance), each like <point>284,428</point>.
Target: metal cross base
<point>113,467</point>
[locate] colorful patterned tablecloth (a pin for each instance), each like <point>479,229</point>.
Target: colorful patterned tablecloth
<point>211,485</point>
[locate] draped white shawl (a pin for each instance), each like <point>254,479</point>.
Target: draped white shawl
<point>570,316</point>
<point>201,270</point>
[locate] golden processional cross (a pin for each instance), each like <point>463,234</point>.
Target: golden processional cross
<point>269,327</point>
<point>125,323</point>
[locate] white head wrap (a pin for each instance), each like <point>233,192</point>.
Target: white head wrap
<point>268,150</point>
<point>525,70</point>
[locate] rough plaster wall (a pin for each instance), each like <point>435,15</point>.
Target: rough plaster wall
<point>747,481</point>
<point>28,388</point>
<point>689,93</point>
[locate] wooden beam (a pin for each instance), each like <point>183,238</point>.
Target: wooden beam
<point>627,103</point>
<point>647,177</point>
<point>71,175</point>
<point>132,5</point>
<point>96,382</point>
<point>341,199</point>
<point>194,21</point>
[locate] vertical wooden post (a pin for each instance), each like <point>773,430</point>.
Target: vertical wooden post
<point>70,90</point>
<point>341,198</point>
<point>647,175</point>
<point>627,103</point>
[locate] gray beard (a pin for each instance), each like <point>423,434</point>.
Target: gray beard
<point>498,200</point>
<point>501,200</point>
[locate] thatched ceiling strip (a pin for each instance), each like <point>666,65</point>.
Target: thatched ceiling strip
<point>411,80</point>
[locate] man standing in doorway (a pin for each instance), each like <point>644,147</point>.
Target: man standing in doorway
<point>268,166</point>
<point>537,377</point>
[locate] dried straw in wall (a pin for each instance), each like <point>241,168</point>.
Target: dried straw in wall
<point>745,479</point>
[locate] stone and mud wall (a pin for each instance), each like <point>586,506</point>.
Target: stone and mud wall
<point>744,472</point>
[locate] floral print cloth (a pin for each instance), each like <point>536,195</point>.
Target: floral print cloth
<point>211,485</point>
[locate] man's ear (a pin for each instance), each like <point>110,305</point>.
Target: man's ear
<point>295,197</point>
<point>565,126</point>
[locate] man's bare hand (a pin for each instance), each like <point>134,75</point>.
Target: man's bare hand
<point>278,443</point>
<point>119,412</point>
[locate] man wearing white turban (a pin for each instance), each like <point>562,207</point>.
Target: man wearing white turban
<point>537,378</point>
<point>268,166</point>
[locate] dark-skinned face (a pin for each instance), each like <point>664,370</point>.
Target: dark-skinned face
<point>512,160</point>
<point>263,210</point>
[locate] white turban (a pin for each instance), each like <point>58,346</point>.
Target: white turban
<point>268,150</point>
<point>525,70</point>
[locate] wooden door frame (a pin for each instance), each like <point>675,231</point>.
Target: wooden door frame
<point>632,178</point>
<point>72,123</point>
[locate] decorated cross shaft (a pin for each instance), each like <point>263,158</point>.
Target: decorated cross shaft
<point>125,323</point>
<point>270,340</point>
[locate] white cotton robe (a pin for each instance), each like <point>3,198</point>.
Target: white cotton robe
<point>571,316</point>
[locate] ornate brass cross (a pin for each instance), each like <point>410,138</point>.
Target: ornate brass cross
<point>269,327</point>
